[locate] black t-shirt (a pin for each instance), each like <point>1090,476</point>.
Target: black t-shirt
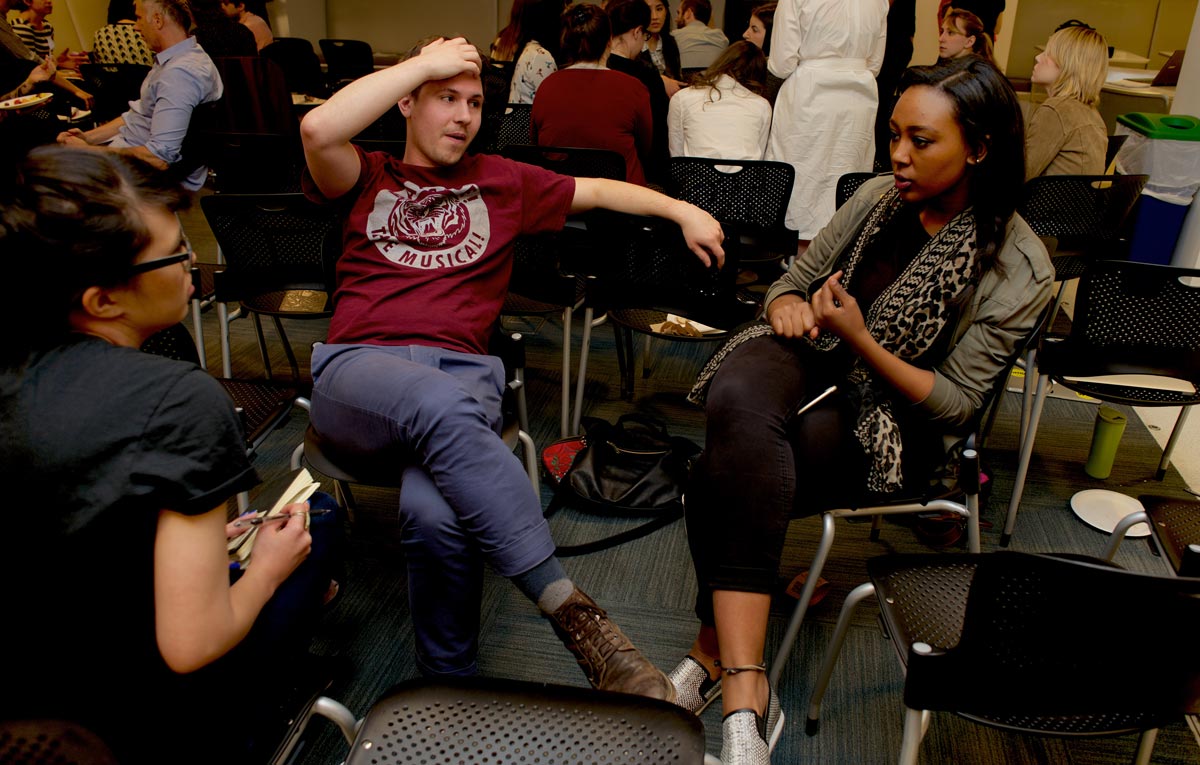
<point>95,440</point>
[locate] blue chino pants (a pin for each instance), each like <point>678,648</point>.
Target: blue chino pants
<point>465,499</point>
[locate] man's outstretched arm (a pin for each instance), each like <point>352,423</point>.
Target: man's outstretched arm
<point>701,231</point>
<point>327,130</point>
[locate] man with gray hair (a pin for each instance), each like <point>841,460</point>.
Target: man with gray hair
<point>183,77</point>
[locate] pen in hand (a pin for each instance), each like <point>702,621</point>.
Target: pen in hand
<point>243,523</point>
<point>828,392</point>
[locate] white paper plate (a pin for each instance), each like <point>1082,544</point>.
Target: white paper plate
<point>1103,510</point>
<point>24,102</point>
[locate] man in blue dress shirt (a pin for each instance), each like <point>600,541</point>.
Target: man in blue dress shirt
<point>183,77</point>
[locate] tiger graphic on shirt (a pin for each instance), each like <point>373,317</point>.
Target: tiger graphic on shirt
<point>430,227</point>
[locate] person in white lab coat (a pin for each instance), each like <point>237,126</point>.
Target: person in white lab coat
<point>828,51</point>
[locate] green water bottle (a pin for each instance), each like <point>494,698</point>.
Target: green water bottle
<point>1106,437</point>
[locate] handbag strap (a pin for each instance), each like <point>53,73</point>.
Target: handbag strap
<point>666,517</point>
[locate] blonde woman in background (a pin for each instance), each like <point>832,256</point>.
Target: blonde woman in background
<point>1066,134</point>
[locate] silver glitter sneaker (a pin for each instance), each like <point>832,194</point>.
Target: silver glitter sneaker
<point>742,741</point>
<point>694,690</point>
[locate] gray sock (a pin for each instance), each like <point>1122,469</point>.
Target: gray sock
<point>555,594</point>
<point>546,584</point>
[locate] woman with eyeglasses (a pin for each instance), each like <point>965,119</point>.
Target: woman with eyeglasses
<point>119,464</point>
<point>1067,135</point>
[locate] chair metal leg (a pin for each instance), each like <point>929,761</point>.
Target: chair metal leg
<point>198,334</point>
<point>912,736</point>
<point>646,368</point>
<point>243,502</point>
<point>564,417</point>
<point>1145,747</point>
<point>1027,394</point>
<point>529,451</point>
<point>584,348</point>
<point>1023,461</point>
<point>287,349</point>
<point>223,319</point>
<point>262,344</point>
<point>1119,531</point>
<point>297,460</point>
<point>828,529</point>
<point>1170,447</point>
<point>832,651</point>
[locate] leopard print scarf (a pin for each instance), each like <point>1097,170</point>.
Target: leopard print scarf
<point>906,319</point>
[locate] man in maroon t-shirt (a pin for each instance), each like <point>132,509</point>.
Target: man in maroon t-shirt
<point>426,262</point>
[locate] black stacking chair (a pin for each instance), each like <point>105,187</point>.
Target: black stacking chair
<point>848,184</point>
<point>347,467</point>
<point>300,64</point>
<point>544,279</point>
<point>488,721</point>
<point>1025,643</point>
<point>1130,319</point>
<point>1175,525</point>
<point>279,252</point>
<point>114,86</point>
<point>748,197</point>
<point>346,60</point>
<point>643,271</point>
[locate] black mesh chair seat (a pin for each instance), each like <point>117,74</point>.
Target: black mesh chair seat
<point>1133,396</point>
<point>520,305</point>
<point>487,721</point>
<point>313,303</point>
<point>1084,212</point>
<point>1022,642</point>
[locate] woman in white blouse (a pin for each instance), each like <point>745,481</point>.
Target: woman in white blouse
<point>722,114</point>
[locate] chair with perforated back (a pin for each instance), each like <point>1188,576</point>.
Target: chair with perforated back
<point>505,126</point>
<point>279,251</point>
<point>848,184</point>
<point>300,63</point>
<point>1024,643</point>
<point>489,721</point>
<point>346,60</point>
<point>643,271</point>
<point>113,86</point>
<point>750,197</point>
<point>543,281</point>
<point>1130,319</point>
<point>1175,524</point>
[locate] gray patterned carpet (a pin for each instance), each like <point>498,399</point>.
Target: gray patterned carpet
<point>648,587</point>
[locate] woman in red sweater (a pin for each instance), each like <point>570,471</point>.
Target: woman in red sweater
<point>586,105</point>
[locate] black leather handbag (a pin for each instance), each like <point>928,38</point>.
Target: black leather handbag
<point>633,468</point>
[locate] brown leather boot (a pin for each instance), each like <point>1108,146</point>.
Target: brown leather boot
<point>606,656</point>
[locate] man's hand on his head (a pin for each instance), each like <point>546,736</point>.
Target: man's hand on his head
<point>444,59</point>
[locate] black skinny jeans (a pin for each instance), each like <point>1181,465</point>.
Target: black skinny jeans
<point>763,466</point>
